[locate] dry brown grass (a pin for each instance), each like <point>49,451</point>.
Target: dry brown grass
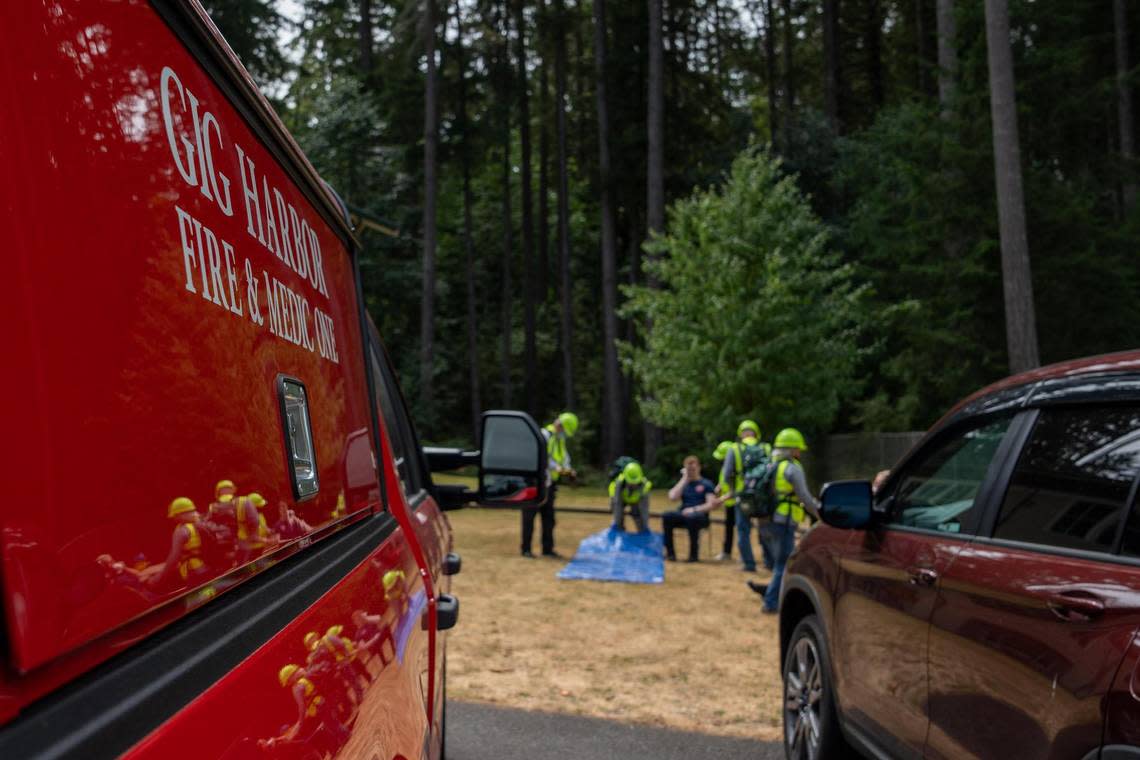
<point>693,654</point>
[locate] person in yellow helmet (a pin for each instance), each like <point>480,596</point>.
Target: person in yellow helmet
<point>747,446</point>
<point>558,467</point>
<point>252,528</point>
<point>794,501</point>
<point>630,490</point>
<point>185,564</point>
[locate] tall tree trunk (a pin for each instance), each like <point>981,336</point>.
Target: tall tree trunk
<point>567,296</point>
<point>770,67</point>
<point>789,72</point>
<point>505,322</point>
<point>543,265</point>
<point>468,236</point>
<point>431,147</point>
<point>831,61</point>
<point>365,60</point>
<point>920,46</point>
<point>530,351</point>
<point>613,426</point>
<point>1020,317</point>
<point>1124,102</point>
<point>874,38</point>
<point>655,167</point>
<point>947,57</point>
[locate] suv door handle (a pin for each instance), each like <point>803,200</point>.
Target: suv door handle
<point>1075,606</point>
<point>922,576</point>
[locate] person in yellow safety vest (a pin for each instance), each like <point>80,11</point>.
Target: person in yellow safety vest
<point>630,490</point>
<point>334,654</point>
<point>794,500</point>
<point>252,529</point>
<point>558,467</point>
<point>185,558</point>
<point>729,504</point>
<point>732,475</point>
<point>221,509</point>
<point>313,710</point>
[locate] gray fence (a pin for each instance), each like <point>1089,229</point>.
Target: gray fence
<point>856,455</point>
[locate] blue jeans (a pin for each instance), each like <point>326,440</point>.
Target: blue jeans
<point>744,538</point>
<point>767,539</point>
<point>783,542</point>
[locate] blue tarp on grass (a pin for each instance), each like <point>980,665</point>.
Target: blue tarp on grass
<point>612,555</point>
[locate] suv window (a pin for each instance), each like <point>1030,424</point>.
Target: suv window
<point>396,423</point>
<point>938,492</point>
<point>1073,478</point>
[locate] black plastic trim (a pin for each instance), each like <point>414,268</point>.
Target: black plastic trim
<point>1006,458</point>
<point>1117,752</point>
<point>107,711</point>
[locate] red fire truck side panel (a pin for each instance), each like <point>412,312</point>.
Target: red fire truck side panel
<point>360,690</point>
<point>167,273</point>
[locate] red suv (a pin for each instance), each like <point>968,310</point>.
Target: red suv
<point>985,602</point>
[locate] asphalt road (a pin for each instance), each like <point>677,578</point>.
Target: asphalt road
<point>482,732</point>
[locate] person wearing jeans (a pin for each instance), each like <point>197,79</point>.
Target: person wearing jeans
<point>794,501</point>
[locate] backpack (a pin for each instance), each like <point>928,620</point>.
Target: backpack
<point>758,494</point>
<point>617,467</point>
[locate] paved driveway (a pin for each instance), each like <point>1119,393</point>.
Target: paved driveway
<point>481,732</point>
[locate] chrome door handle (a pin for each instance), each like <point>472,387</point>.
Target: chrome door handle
<point>922,576</point>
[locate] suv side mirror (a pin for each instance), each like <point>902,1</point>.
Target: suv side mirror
<point>846,504</point>
<point>512,460</point>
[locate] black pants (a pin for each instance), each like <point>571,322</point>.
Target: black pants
<point>546,509</point>
<point>729,524</point>
<point>671,520</point>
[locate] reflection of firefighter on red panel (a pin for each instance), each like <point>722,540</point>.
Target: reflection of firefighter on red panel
<point>335,655</point>
<point>252,529</point>
<point>374,637</point>
<point>317,728</point>
<point>221,512</point>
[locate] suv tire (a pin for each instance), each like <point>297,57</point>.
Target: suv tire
<point>811,723</point>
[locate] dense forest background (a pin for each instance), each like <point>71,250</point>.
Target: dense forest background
<point>832,253</point>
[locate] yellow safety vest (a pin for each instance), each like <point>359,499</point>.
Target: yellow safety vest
<point>242,529</point>
<point>629,497</point>
<point>556,448</point>
<point>191,561</point>
<point>789,503</point>
<point>312,699</point>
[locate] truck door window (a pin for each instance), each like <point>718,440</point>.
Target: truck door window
<point>399,428</point>
<point>1073,478</point>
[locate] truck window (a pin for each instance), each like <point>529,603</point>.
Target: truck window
<point>396,422</point>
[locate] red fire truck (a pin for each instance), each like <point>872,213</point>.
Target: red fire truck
<point>220,535</point>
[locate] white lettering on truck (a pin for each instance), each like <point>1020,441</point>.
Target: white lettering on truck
<point>209,262</point>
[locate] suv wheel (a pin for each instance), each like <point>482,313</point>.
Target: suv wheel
<point>811,727</point>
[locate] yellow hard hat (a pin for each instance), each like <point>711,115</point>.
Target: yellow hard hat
<point>180,506</point>
<point>391,577</point>
<point>256,500</point>
<point>748,425</point>
<point>224,485</point>
<point>335,630</point>
<point>721,450</point>
<point>633,474</point>
<point>790,438</point>
<point>311,639</point>
<point>286,673</point>
<point>569,422</point>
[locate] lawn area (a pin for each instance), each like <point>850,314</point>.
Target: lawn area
<point>694,653</point>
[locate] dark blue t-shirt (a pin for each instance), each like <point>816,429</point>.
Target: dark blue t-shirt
<point>695,491</point>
